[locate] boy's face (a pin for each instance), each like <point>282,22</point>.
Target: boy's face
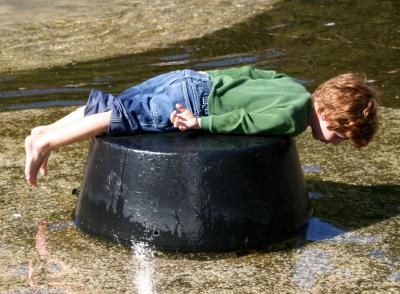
<point>322,133</point>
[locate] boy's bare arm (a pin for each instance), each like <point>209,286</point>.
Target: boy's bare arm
<point>183,119</point>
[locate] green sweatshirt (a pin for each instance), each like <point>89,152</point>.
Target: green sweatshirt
<point>247,100</point>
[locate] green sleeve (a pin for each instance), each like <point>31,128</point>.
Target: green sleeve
<point>276,122</point>
<point>247,71</point>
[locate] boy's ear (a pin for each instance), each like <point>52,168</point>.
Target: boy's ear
<point>323,116</point>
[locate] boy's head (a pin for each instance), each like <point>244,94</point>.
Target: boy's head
<point>345,108</point>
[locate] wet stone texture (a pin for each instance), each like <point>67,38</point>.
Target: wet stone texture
<point>42,33</point>
<point>193,191</point>
<point>351,244</point>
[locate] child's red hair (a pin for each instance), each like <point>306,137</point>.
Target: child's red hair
<point>350,106</point>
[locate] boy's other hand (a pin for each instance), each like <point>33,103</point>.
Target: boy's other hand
<point>183,119</point>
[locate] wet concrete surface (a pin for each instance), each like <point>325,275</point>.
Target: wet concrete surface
<point>351,244</point>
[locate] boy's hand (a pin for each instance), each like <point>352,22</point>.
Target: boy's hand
<point>184,119</point>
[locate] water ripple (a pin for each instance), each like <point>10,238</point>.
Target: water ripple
<point>42,104</point>
<point>39,92</point>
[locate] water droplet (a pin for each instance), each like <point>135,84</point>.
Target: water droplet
<point>310,168</point>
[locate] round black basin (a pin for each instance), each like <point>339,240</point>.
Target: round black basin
<point>193,191</point>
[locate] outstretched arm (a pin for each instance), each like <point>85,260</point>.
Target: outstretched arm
<point>183,119</point>
<point>241,122</point>
<point>38,147</point>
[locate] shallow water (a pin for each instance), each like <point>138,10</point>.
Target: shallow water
<point>44,33</point>
<point>352,242</point>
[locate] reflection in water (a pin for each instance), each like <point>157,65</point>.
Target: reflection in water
<point>42,104</point>
<point>315,195</point>
<point>383,257</point>
<point>311,262</point>
<point>21,92</point>
<point>311,169</point>
<point>226,62</point>
<point>43,269</point>
<point>318,230</point>
<point>354,238</point>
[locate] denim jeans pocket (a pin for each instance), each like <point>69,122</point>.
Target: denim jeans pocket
<point>147,107</point>
<point>163,104</point>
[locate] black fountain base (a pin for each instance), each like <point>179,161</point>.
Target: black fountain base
<point>193,191</point>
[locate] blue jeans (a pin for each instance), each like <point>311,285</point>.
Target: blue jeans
<point>146,108</point>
